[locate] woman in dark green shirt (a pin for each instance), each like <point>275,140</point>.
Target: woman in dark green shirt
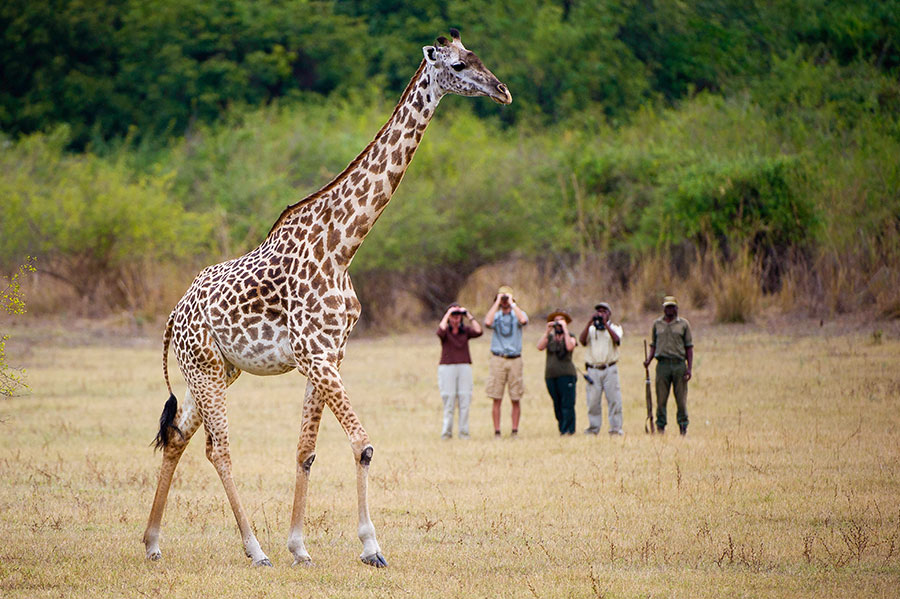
<point>559,372</point>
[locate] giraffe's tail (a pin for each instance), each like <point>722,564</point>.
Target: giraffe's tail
<point>170,409</point>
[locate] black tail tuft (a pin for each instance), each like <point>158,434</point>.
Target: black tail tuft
<point>166,423</point>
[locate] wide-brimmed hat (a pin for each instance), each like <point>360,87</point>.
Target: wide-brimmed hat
<point>603,305</point>
<point>670,300</point>
<point>505,289</point>
<point>553,315</point>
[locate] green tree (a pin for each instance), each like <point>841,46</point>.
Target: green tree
<point>107,68</point>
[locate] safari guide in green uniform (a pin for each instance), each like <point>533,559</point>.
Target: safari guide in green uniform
<point>671,344</point>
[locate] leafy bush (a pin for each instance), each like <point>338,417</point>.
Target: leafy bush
<point>752,199</point>
<point>87,220</point>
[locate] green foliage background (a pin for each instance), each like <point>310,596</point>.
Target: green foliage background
<point>176,132</point>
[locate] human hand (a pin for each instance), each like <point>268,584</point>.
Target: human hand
<point>687,376</point>
<point>647,362</point>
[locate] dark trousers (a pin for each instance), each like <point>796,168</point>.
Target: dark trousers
<point>670,373</point>
<point>562,391</point>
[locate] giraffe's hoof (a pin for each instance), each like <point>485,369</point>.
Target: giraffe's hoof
<point>376,560</point>
<point>154,556</point>
<point>263,562</point>
<point>303,562</point>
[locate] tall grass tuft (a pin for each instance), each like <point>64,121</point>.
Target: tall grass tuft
<point>736,287</point>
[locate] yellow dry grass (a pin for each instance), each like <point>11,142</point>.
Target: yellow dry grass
<point>788,484</point>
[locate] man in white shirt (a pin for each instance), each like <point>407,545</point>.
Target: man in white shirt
<point>603,339</point>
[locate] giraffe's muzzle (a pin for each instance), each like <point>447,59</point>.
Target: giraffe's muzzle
<point>502,96</point>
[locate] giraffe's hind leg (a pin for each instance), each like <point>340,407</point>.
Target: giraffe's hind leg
<point>187,419</point>
<point>210,392</point>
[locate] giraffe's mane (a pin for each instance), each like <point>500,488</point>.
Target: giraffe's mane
<point>293,208</point>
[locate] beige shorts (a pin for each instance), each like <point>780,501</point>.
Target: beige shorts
<point>503,372</point>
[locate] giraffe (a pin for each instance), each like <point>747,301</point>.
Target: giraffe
<point>289,304</point>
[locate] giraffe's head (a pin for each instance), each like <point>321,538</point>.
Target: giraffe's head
<point>458,71</point>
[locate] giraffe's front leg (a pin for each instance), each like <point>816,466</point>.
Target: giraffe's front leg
<point>325,377</point>
<point>306,454</point>
<point>371,553</point>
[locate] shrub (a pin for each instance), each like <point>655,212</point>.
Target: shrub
<point>11,302</point>
<point>751,199</point>
<point>90,222</point>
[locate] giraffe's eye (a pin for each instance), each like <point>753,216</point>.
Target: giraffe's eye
<point>458,66</point>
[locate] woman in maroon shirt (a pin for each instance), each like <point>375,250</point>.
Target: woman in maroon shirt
<point>455,367</point>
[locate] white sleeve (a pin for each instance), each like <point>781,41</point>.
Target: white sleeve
<point>618,329</point>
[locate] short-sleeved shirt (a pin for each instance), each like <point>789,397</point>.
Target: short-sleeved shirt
<point>559,359</point>
<point>601,348</point>
<point>455,347</point>
<point>671,339</point>
<point>507,337</point>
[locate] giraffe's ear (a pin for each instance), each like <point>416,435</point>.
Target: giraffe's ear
<point>428,51</point>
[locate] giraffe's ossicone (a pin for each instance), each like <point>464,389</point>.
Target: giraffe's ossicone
<point>289,304</point>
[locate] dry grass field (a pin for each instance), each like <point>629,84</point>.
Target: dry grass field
<point>788,484</point>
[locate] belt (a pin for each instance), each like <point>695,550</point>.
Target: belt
<point>499,355</point>
<point>600,366</point>
<point>669,359</point>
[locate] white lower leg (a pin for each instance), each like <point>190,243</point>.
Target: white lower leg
<point>295,538</point>
<point>254,551</point>
<point>298,548</point>
<point>151,544</point>
<point>366,530</point>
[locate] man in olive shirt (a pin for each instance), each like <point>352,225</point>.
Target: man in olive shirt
<point>671,344</point>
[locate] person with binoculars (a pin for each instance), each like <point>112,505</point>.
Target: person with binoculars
<point>560,374</point>
<point>507,320</point>
<point>455,367</point>
<point>603,339</point>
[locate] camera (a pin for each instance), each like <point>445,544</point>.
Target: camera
<point>598,323</point>
<point>458,313</point>
<point>558,328</point>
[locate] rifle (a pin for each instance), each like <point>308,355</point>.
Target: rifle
<point>648,424</point>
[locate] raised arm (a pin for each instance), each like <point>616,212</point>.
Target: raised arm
<point>520,314</point>
<point>489,317</point>
<point>476,326</point>
<point>571,342</point>
<point>583,338</point>
<point>545,338</point>
<point>443,324</point>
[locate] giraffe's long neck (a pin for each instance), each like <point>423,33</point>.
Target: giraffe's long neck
<point>337,218</point>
